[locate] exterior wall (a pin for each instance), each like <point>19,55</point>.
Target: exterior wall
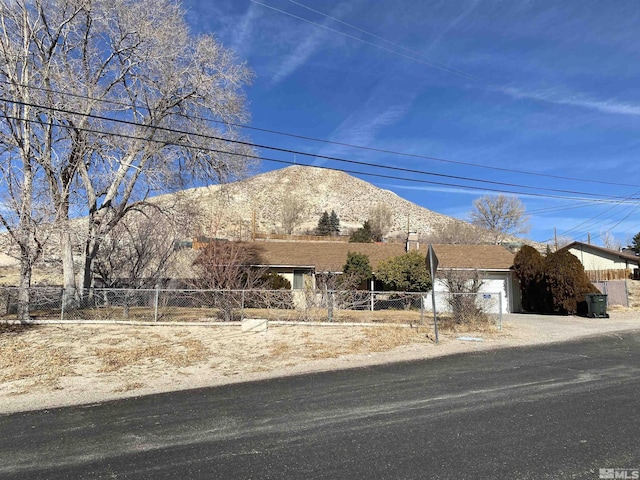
<point>493,285</point>
<point>593,261</point>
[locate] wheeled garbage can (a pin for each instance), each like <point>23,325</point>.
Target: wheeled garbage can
<point>597,305</point>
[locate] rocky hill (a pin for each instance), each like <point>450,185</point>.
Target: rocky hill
<point>238,209</point>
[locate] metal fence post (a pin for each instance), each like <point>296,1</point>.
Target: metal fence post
<point>242,306</point>
<point>155,305</point>
<point>62,304</point>
<point>330,305</point>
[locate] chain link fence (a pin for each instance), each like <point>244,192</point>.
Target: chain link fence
<point>307,305</point>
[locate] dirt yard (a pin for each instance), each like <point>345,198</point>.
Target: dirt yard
<point>44,366</point>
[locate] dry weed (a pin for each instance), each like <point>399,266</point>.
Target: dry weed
<point>474,325</point>
<point>24,357</point>
<point>280,349</point>
<point>152,348</point>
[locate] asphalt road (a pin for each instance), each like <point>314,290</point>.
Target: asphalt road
<point>556,411</point>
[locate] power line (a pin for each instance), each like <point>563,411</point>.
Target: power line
<point>389,42</point>
<point>430,63</point>
<point>324,157</point>
<point>348,145</point>
<point>592,219</point>
<point>287,162</point>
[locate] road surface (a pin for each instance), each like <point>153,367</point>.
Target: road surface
<point>555,411</point>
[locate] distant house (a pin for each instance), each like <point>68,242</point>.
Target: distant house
<point>302,262</point>
<point>602,264</point>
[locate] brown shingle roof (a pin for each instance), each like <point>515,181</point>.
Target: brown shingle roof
<point>332,256</point>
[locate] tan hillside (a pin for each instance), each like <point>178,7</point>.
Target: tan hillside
<point>230,209</point>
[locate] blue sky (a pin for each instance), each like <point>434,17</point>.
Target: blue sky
<point>537,98</point>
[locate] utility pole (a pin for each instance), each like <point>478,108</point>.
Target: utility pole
<point>253,225</point>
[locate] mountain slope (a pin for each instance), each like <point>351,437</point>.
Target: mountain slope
<point>229,210</point>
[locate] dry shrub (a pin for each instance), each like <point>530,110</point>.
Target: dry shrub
<point>380,339</point>
<point>473,323</point>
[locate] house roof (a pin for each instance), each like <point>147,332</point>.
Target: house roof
<point>607,252</point>
<point>332,256</point>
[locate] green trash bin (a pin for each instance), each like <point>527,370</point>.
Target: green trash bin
<point>597,305</point>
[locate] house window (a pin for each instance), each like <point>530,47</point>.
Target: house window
<point>298,279</point>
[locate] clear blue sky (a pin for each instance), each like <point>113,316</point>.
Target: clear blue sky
<point>540,97</point>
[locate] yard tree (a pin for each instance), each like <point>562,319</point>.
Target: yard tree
<point>566,282</point>
<point>502,215</point>
<point>357,269</point>
<point>105,103</point>
<point>405,273</point>
<point>328,224</point>
<point>362,234</point>
<point>556,283</point>
<point>324,227</point>
<point>291,209</point>
<point>334,223</point>
<point>380,218</point>
<point>141,249</point>
<point>529,267</point>
<point>228,265</point>
<point>635,243</point>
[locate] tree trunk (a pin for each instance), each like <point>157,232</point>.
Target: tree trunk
<point>70,293</point>
<point>24,293</point>
<point>92,245</point>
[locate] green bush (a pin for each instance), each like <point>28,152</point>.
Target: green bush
<point>528,265</point>
<point>567,283</point>
<point>556,283</point>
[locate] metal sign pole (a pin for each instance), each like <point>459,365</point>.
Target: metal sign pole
<point>432,262</point>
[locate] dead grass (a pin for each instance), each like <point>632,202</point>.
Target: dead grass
<point>473,325</point>
<point>21,358</point>
<point>140,351</point>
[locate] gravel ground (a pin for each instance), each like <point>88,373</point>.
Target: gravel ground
<point>60,364</point>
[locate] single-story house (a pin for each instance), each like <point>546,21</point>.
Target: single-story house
<point>302,262</point>
<point>602,264</point>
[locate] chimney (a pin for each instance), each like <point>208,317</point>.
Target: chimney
<point>412,242</point>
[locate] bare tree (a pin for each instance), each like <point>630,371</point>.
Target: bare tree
<point>609,241</point>
<point>380,218</point>
<point>462,287</point>
<point>116,102</point>
<point>291,210</point>
<point>456,233</point>
<point>140,250</point>
<point>226,265</point>
<point>502,215</point>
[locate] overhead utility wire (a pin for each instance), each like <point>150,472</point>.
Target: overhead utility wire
<point>451,70</point>
<point>288,162</point>
<point>436,63</point>
<point>324,157</point>
<point>590,220</point>
<point>349,145</point>
<point>447,68</point>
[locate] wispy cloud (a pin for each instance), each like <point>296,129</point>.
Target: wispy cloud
<point>314,36</point>
<point>381,110</point>
<point>298,57</point>
<point>244,29</point>
<point>549,96</point>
